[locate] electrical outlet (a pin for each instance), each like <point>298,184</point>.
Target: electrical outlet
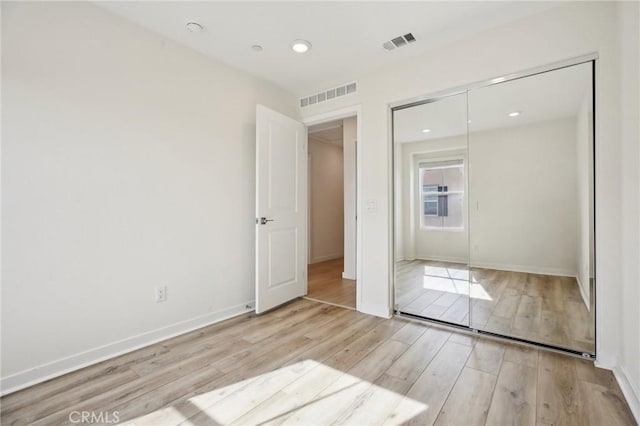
<point>160,294</point>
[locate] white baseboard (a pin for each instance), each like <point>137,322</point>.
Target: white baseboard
<point>585,299</point>
<point>347,276</point>
<point>318,259</point>
<point>500,266</point>
<point>441,259</point>
<point>541,270</point>
<point>50,370</point>
<point>631,394</point>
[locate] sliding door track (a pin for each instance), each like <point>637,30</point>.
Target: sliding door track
<point>545,346</point>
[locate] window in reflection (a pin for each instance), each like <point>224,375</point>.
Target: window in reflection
<point>442,194</point>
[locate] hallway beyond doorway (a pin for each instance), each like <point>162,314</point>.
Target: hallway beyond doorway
<point>327,285</point>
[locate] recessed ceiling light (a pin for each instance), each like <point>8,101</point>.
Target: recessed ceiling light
<point>300,46</point>
<point>256,48</point>
<point>426,130</point>
<point>194,27</point>
<point>514,114</point>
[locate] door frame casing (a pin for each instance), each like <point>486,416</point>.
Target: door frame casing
<point>347,112</point>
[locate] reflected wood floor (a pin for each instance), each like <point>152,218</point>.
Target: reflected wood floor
<point>542,308</point>
<point>309,363</point>
<point>325,283</point>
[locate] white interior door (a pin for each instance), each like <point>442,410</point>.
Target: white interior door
<point>281,209</point>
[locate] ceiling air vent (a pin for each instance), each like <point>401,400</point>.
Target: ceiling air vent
<point>329,94</point>
<point>399,41</point>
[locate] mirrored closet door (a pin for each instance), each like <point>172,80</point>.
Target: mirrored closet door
<point>431,221</point>
<point>494,208</point>
<point>531,208</point>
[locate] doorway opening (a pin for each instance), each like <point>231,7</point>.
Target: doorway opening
<point>332,214</point>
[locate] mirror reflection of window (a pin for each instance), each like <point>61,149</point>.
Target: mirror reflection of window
<point>442,186</point>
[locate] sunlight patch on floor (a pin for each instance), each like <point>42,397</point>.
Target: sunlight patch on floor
<point>453,280</point>
<point>307,392</point>
<point>447,285</point>
<point>164,416</point>
<point>478,292</point>
<point>458,273</point>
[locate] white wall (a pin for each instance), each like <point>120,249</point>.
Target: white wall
<point>349,135</point>
<point>326,209</point>
<point>567,31</point>
<point>629,79</point>
<point>522,197</point>
<point>128,162</point>
<point>584,169</point>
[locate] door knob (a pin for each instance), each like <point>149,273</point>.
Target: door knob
<point>264,220</point>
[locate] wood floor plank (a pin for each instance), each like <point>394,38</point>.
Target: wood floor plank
<point>122,395</point>
<point>463,339</point>
<point>296,318</point>
<point>604,407</point>
<point>378,361</point>
<point>302,391</point>
<point>241,400</point>
<point>288,333</point>
<point>514,399</point>
<point>335,403</point>
<point>528,315</point>
<point>212,350</point>
<point>330,346</point>
<point>558,397</point>
<point>432,311</point>
<point>39,393</point>
<point>508,302</point>
<point>29,414</point>
<point>376,402</point>
<point>335,398</point>
<point>588,372</point>
<point>164,395</point>
<point>424,300</point>
<point>458,311</point>
<point>410,332</point>
<point>349,319</point>
<point>522,355</point>
<point>413,362</point>
<point>487,356</point>
<point>469,400</point>
<point>432,387</point>
<point>358,349</point>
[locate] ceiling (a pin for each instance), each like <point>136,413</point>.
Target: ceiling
<point>347,37</point>
<point>330,132</point>
<point>548,96</point>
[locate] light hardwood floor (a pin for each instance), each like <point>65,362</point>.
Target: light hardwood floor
<point>309,363</point>
<point>325,283</point>
<point>541,308</point>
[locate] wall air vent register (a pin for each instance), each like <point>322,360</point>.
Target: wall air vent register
<point>327,95</point>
